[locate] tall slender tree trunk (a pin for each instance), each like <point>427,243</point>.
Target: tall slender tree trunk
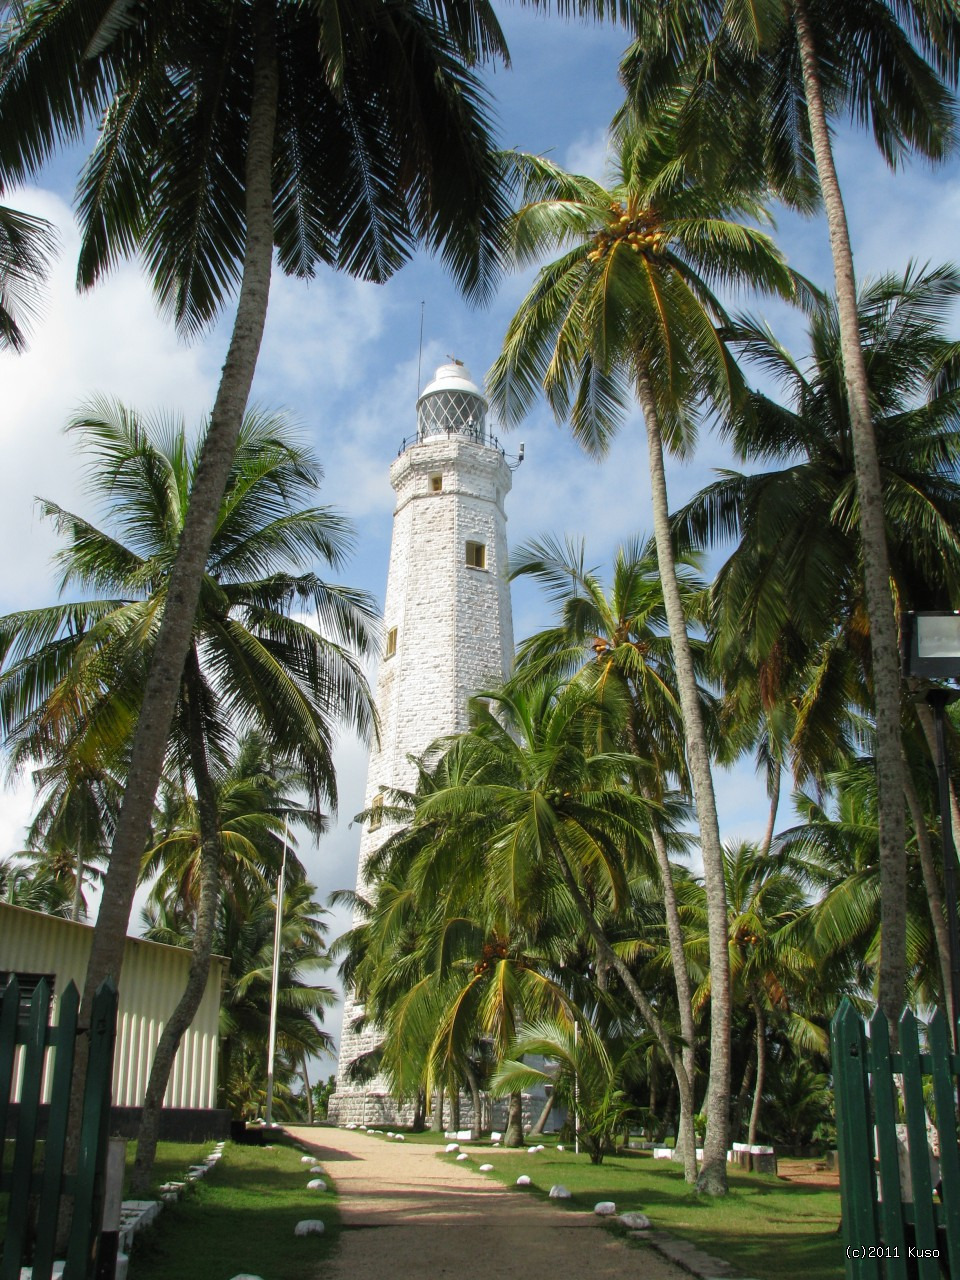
<point>513,1134</point>
<point>199,971</point>
<point>746,1084</point>
<point>543,1117</point>
<point>166,667</point>
<point>608,956</point>
<point>767,840</point>
<point>473,1084</point>
<point>931,884</point>
<point>876,563</point>
<point>713,1176</point>
<point>163,682</point>
<point>306,1088</point>
<point>761,1047</point>
<point>686,1137</point>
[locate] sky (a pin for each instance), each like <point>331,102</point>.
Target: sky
<point>342,357</point>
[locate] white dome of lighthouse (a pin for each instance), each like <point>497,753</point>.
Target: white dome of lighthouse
<point>452,404</point>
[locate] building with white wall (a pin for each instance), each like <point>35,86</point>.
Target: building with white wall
<point>448,629</point>
<point>152,979</point>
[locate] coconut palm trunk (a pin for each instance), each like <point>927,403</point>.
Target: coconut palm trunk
<point>686,1137</point>
<point>686,1149</point>
<point>767,840</point>
<point>544,1116</point>
<point>202,948</point>
<point>876,567</point>
<point>713,1175</point>
<point>173,640</point>
<point>513,1134</point>
<point>609,957</point>
<point>761,1049</point>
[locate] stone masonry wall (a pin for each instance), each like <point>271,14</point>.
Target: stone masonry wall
<point>454,637</point>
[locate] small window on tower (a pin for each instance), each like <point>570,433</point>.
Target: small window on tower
<point>476,555</point>
<point>436,484</point>
<point>376,813</point>
<point>391,648</point>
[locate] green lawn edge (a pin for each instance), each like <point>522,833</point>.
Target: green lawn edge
<point>240,1218</point>
<point>765,1227</point>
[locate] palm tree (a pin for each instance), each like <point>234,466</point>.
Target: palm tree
<point>340,134</point>
<point>27,244</point>
<point>788,67</point>
<point>557,824</point>
<point>628,310</point>
<point>72,673</point>
<point>245,929</point>
<point>447,968</point>
<point>621,635</point>
<point>770,966</point>
<point>835,850</point>
<point>790,611</point>
<point>584,1059</point>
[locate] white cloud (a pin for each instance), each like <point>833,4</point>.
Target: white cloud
<point>108,341</point>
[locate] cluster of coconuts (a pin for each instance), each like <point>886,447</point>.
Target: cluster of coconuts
<point>631,230</point>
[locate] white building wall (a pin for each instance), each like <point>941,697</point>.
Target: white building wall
<point>151,982</point>
<point>454,638</point>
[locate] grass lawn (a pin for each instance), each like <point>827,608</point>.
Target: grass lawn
<point>766,1227</point>
<point>239,1218</point>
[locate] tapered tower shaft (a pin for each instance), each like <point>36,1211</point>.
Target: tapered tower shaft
<point>448,633</point>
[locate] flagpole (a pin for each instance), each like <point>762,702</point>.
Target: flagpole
<point>275,978</point>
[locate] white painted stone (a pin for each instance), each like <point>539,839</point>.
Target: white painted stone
<point>399,1137</point>
<point>485,1168</point>
<point>605,1208</point>
<point>561,1147</point>
<point>316,1184</point>
<point>523,1180</point>
<point>390,1133</point>
<point>635,1221</point>
<point>463,1156</point>
<point>442,607</point>
<point>317,1168</point>
<point>309,1227</point>
<point>246,1275</point>
<point>559,1192</point>
<point>306,1159</point>
<point>451,1147</point>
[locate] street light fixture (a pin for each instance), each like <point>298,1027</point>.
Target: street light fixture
<point>931,651</point>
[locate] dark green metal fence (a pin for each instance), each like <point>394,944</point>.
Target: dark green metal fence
<point>35,1180</point>
<point>898,1222</point>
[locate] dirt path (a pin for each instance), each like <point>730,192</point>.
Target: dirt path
<point>407,1216</point>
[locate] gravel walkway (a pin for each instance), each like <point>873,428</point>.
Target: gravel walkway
<point>408,1216</point>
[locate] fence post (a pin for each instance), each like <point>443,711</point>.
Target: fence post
<point>943,1069</point>
<point>88,1187</point>
<point>34,1045</point>
<point>854,1147</point>
<point>890,1207</point>
<point>9,1017</point>
<point>64,1037</point>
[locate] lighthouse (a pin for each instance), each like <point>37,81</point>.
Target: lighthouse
<point>448,632</point>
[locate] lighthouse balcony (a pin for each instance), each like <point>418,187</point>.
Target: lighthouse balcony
<point>474,435</point>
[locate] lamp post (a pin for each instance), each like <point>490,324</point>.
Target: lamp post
<point>931,651</point>
<point>275,974</point>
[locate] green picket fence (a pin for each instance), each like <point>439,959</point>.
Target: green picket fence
<point>888,1233</point>
<point>33,1186</point>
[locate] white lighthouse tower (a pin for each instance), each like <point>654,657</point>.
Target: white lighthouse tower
<point>448,627</point>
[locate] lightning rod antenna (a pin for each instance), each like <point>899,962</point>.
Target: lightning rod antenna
<point>423,303</point>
